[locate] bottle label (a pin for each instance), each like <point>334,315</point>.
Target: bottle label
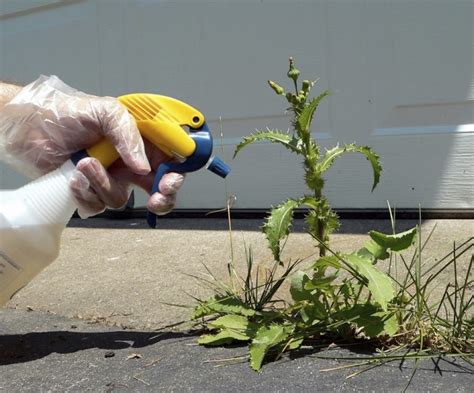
<point>9,270</point>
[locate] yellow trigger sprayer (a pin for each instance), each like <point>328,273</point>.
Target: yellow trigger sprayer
<point>33,217</point>
<point>160,120</point>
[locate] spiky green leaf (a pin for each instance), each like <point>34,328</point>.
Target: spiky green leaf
<point>321,282</point>
<point>312,220</point>
<point>231,327</point>
<point>350,290</point>
<point>274,136</point>
<point>295,343</point>
<point>236,322</point>
<point>378,246</point>
<point>374,250</point>
<point>265,338</point>
<point>277,225</point>
<point>224,337</point>
<point>314,311</point>
<point>371,319</point>
<point>303,123</point>
<point>297,286</point>
<point>329,261</point>
<point>331,154</point>
<point>320,213</point>
<point>310,202</point>
<point>222,305</point>
<point>378,283</point>
<point>398,242</point>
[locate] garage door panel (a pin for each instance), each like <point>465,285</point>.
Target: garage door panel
<point>61,40</point>
<point>432,170</point>
<point>401,76</point>
<point>219,56</point>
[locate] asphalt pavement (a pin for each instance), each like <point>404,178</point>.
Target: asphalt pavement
<point>43,352</point>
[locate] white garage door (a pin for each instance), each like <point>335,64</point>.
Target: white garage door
<point>401,74</point>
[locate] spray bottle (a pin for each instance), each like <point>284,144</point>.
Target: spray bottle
<point>33,217</point>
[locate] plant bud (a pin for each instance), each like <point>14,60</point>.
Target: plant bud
<point>276,88</point>
<point>306,85</point>
<point>288,97</point>
<point>293,72</point>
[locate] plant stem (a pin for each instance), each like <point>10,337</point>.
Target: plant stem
<point>322,249</point>
<point>321,227</point>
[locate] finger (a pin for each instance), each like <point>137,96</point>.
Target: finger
<point>86,210</point>
<point>161,204</point>
<point>171,183</point>
<point>120,128</point>
<point>111,192</point>
<point>87,200</point>
<point>124,175</point>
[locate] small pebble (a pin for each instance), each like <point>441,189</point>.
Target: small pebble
<point>109,354</point>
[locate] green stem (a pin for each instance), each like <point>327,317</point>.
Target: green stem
<point>321,228</point>
<point>322,249</point>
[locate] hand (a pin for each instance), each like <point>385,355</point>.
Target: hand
<point>47,121</point>
<point>95,188</point>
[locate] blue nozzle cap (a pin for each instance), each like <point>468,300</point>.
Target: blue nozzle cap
<point>219,167</point>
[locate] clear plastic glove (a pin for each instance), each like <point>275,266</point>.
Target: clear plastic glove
<point>47,121</point>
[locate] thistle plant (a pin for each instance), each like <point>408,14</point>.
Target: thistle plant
<point>320,218</point>
<point>342,296</point>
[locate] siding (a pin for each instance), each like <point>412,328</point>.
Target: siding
<point>401,74</point>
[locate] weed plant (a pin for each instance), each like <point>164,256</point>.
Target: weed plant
<point>344,296</point>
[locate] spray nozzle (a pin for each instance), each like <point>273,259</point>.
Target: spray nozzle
<point>200,158</point>
<point>219,167</point>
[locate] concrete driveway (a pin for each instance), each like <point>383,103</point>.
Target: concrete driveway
<point>121,272</point>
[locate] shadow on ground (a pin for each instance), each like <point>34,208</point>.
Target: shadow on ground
<point>348,226</point>
<point>21,348</point>
<point>357,353</point>
<point>43,351</point>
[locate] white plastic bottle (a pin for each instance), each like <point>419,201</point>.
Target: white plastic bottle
<point>32,219</point>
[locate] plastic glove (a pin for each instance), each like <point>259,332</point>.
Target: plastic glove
<point>94,187</point>
<point>48,120</point>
